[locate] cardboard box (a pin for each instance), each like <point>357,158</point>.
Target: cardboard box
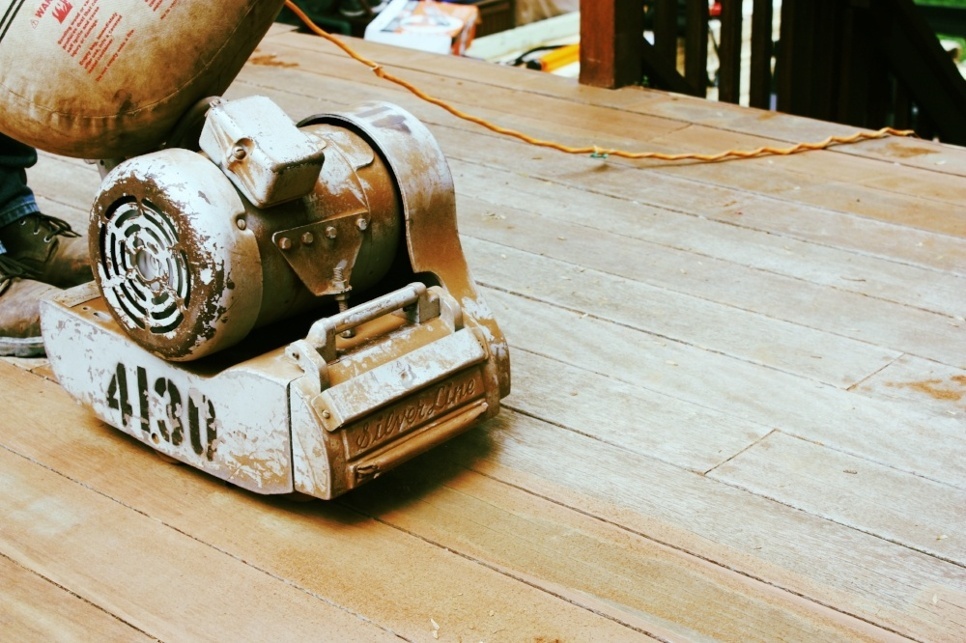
<point>439,27</point>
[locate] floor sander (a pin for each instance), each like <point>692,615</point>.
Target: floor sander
<point>287,307</point>
<point>283,305</point>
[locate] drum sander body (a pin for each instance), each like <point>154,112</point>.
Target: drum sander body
<point>284,306</point>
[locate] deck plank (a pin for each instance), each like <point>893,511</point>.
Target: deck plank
<point>675,109</point>
<point>658,200</point>
<point>327,569</point>
<point>794,348</point>
<point>145,573</point>
<point>885,431</point>
<point>943,218</point>
<point>719,238</point>
<point>701,354</point>
<point>853,492</point>
<point>888,325</point>
<point>35,609</point>
<point>855,573</point>
<point>597,563</point>
<point>346,86</point>
<point>921,383</point>
<point>660,132</point>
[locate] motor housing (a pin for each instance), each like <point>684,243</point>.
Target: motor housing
<point>190,265</point>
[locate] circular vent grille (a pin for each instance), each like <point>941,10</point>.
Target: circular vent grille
<point>144,268</point>
<point>177,273</point>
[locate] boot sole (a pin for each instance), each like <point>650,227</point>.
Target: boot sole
<point>21,347</point>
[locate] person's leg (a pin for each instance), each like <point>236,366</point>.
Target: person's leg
<point>34,245</point>
<point>16,199</point>
<point>38,254</point>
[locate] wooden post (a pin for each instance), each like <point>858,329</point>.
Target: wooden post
<point>729,52</point>
<point>611,39</point>
<point>696,45</point>
<point>761,53</point>
<point>666,30</point>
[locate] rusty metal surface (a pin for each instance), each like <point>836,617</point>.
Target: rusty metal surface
<point>179,276</point>
<point>261,151</point>
<point>428,200</point>
<point>232,424</point>
<point>403,355</point>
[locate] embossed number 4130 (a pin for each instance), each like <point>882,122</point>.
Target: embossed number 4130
<point>164,415</point>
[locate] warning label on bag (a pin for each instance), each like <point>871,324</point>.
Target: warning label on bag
<point>92,32</point>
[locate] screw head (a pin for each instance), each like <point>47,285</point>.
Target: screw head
<point>284,243</point>
<point>362,224</point>
<point>241,223</point>
<point>308,238</point>
<point>330,232</point>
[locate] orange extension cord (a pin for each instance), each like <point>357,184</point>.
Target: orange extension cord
<point>595,151</point>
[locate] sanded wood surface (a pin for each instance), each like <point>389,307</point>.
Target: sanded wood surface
<point>738,408</point>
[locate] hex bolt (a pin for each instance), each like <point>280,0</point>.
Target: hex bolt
<point>342,299</point>
<point>330,232</point>
<point>362,224</point>
<point>284,243</point>
<point>308,238</point>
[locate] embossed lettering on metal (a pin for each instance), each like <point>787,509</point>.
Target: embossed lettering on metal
<point>418,410</point>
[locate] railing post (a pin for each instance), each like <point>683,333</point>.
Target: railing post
<point>696,45</point>
<point>611,41</point>
<point>729,52</point>
<point>762,47</point>
<point>666,30</point>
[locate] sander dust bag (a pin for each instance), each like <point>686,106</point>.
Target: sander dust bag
<point>110,78</point>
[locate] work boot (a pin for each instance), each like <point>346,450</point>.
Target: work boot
<point>44,248</point>
<point>20,316</point>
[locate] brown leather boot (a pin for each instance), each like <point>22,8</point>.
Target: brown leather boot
<point>20,316</point>
<point>44,248</point>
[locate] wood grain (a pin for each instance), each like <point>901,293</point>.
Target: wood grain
<point>803,553</point>
<point>886,431</point>
<point>854,492</point>
<point>146,572</point>
<point>327,570</point>
<point>35,609</point>
<point>702,354</point>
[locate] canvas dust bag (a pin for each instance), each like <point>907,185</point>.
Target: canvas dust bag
<point>110,78</point>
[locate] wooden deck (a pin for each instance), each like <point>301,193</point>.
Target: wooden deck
<point>738,408</point>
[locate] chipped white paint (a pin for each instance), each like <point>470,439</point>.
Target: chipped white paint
<point>170,247</point>
<point>268,424</point>
<point>181,268</point>
<point>217,424</point>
